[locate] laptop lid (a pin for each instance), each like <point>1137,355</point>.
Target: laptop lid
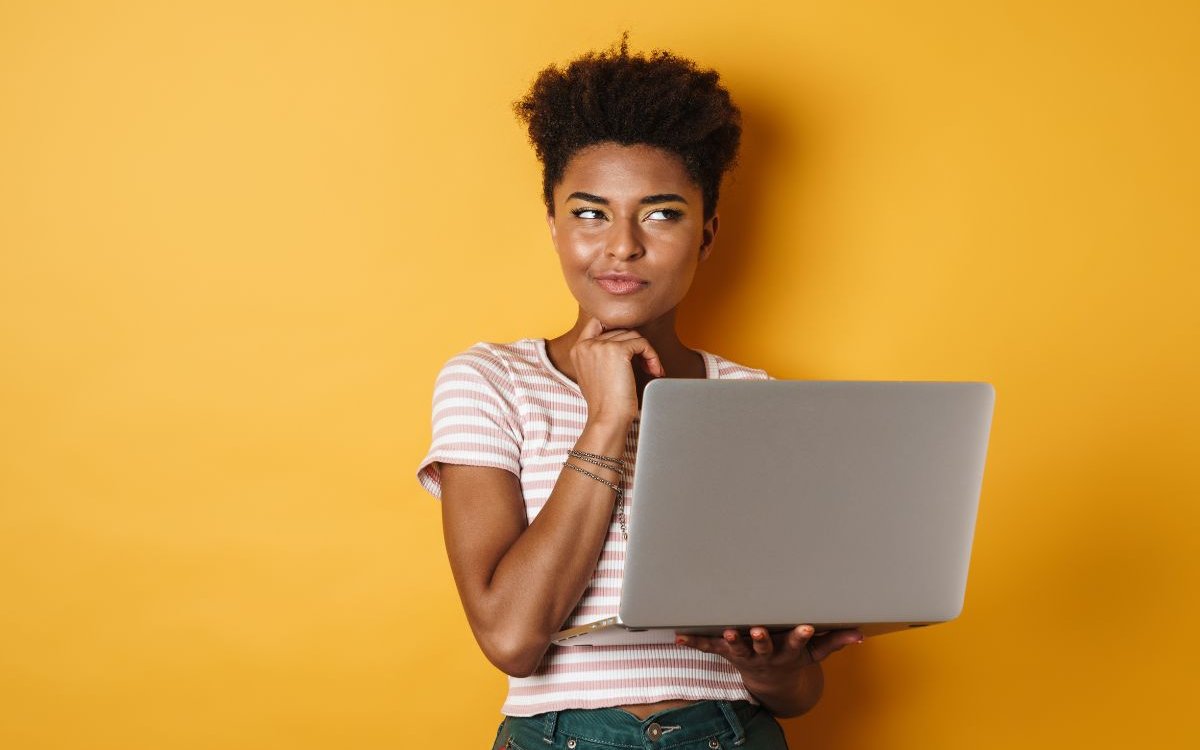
<point>786,501</point>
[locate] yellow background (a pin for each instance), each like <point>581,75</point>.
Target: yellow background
<point>240,238</point>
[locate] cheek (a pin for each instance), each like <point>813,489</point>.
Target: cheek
<point>574,265</point>
<point>682,276</point>
<point>576,247</point>
<point>683,280</point>
<point>684,262</point>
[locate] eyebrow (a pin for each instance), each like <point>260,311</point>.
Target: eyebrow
<point>657,198</point>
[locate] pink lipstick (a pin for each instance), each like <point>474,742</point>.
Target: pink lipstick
<point>620,283</point>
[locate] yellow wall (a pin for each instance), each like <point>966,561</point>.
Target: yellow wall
<point>239,239</point>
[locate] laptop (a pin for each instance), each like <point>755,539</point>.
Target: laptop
<point>780,502</point>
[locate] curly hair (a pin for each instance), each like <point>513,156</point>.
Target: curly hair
<point>659,100</point>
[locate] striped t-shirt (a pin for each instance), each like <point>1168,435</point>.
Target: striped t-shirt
<point>507,406</point>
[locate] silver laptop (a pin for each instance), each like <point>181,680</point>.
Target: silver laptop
<point>780,502</point>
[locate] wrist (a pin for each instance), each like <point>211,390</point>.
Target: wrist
<point>606,427</point>
<point>606,439</point>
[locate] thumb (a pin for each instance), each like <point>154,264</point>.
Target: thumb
<point>836,640</point>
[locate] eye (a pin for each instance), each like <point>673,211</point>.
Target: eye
<point>587,213</point>
<point>668,214</point>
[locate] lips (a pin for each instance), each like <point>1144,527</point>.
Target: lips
<point>621,283</point>
<point>613,286</point>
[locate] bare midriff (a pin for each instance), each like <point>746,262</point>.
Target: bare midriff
<point>642,710</point>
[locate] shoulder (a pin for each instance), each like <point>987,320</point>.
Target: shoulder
<point>727,369</point>
<point>498,364</point>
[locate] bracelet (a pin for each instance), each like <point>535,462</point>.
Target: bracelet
<point>597,458</point>
<point>592,458</point>
<point>617,489</point>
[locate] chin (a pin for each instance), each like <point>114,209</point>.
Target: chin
<point>622,314</point>
<point>622,321</point>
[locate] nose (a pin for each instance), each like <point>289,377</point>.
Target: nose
<point>624,240</point>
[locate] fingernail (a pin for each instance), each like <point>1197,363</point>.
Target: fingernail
<point>758,635</point>
<point>681,640</point>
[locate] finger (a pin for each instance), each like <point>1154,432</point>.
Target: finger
<point>698,642</point>
<point>618,334</point>
<point>797,637</point>
<point>638,347</point>
<point>835,640</point>
<point>645,355</point>
<point>763,645</point>
<point>653,364</point>
<point>737,644</point>
<point>591,329</point>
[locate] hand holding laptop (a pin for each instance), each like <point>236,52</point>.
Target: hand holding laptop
<point>772,667</point>
<point>766,653</point>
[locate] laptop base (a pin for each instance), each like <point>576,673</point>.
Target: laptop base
<point>612,632</point>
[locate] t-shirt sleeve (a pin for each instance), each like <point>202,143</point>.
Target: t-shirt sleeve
<point>475,418</point>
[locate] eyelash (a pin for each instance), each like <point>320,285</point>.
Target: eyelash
<point>671,213</point>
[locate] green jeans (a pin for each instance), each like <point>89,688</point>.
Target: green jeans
<point>708,725</point>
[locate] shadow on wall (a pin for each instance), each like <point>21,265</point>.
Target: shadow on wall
<point>708,312</point>
<point>842,723</point>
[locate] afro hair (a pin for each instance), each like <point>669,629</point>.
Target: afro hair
<point>659,100</point>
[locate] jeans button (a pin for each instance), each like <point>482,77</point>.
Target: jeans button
<point>714,744</point>
<point>654,731</point>
<point>571,743</point>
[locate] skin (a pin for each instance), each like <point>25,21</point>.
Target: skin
<point>630,209</point>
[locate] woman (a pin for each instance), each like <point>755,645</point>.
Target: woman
<point>533,438</point>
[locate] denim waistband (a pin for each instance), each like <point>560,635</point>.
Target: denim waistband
<point>722,723</point>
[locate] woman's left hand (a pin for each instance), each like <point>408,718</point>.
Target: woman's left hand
<point>772,662</point>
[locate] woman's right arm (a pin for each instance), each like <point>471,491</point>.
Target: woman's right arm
<point>519,583</point>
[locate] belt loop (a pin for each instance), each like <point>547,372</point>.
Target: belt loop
<point>739,734</point>
<point>549,727</point>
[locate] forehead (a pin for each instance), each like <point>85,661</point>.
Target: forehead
<point>612,170</point>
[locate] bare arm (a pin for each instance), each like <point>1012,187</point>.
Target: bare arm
<point>519,583</point>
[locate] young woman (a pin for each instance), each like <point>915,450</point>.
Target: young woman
<point>531,439</point>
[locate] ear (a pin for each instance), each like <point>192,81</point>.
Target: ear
<point>553,229</point>
<point>709,234</point>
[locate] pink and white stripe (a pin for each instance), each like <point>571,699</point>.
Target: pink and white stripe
<point>507,406</point>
